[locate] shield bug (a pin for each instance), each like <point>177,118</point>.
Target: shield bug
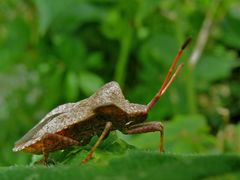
<point>106,110</point>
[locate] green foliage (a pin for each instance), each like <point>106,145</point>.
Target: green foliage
<point>110,148</point>
<point>183,134</point>
<point>53,52</point>
<point>209,62</point>
<point>137,165</point>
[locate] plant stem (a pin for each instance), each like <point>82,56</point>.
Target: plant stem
<point>191,91</point>
<point>201,41</point>
<point>125,45</point>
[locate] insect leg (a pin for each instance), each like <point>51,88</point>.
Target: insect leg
<point>45,155</point>
<point>147,127</point>
<point>104,133</point>
<point>52,142</point>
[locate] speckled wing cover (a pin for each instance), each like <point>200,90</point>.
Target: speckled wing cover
<point>71,113</point>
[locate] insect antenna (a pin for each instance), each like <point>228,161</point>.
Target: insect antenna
<point>169,79</point>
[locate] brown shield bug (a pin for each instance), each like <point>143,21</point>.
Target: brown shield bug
<point>106,110</point>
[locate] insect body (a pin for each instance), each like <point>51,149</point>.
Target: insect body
<point>106,110</point>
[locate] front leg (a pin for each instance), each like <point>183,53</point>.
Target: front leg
<point>147,127</point>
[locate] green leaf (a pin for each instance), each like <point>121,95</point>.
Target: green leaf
<point>71,86</point>
<point>15,43</point>
<point>89,82</point>
<point>61,12</point>
<point>184,133</point>
<point>215,66</point>
<point>95,60</point>
<point>113,26</point>
<point>136,165</point>
<point>71,51</point>
<point>229,33</point>
<point>47,10</point>
<point>187,133</point>
<point>159,48</point>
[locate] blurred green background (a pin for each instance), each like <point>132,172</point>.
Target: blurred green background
<point>53,52</point>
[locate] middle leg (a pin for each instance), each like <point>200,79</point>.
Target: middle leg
<point>102,136</point>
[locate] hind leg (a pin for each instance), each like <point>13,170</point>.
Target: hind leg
<point>53,142</point>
